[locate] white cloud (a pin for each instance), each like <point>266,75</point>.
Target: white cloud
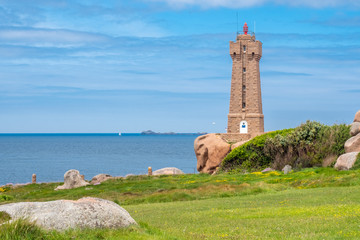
<point>47,38</point>
<point>251,3</point>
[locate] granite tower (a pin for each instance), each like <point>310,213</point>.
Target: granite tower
<point>245,113</point>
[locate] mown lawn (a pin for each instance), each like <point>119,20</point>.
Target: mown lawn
<point>311,204</point>
<point>322,213</point>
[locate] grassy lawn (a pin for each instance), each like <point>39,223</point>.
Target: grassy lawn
<point>311,204</point>
<point>322,213</point>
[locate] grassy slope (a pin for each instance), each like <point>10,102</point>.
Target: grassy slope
<point>311,204</point>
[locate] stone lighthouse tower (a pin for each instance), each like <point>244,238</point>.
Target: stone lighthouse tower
<point>245,117</point>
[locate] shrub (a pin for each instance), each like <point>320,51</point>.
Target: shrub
<point>251,155</point>
<point>304,146</point>
<point>4,197</point>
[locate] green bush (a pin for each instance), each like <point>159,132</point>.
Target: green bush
<point>251,155</point>
<point>304,146</point>
<point>4,197</point>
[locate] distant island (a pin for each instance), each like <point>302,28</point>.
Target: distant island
<point>149,132</point>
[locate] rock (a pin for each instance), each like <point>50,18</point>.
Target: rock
<point>357,117</point>
<point>210,150</point>
<point>100,178</point>
<point>353,144</point>
<point>346,161</point>
<point>235,145</point>
<point>72,179</point>
<point>330,159</point>
<point>286,169</point>
<point>354,128</point>
<point>67,214</point>
<point>168,171</point>
<point>268,170</point>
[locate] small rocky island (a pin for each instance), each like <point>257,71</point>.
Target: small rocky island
<point>150,132</point>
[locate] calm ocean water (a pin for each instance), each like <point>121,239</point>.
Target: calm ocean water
<point>51,155</point>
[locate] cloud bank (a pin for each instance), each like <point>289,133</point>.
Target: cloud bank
<point>254,3</point>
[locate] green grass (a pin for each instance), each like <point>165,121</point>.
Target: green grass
<point>322,213</point>
<point>144,189</point>
<point>315,203</point>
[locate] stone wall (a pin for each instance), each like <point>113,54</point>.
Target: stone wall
<point>245,95</point>
<point>235,137</point>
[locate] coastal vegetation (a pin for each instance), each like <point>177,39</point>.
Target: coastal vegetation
<point>313,203</point>
<point>309,145</point>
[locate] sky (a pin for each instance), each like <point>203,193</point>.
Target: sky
<point>94,66</point>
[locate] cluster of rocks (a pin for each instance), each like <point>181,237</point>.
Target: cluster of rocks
<point>352,146</point>
<point>73,179</point>
<point>83,213</point>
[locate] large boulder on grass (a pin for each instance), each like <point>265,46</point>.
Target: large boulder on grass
<point>72,179</point>
<point>355,128</point>
<point>100,178</point>
<point>168,171</point>
<point>353,144</point>
<point>346,161</point>
<point>68,214</point>
<point>210,150</point>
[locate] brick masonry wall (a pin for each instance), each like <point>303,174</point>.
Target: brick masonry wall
<point>245,86</point>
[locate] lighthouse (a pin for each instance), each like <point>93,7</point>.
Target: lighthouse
<point>245,118</point>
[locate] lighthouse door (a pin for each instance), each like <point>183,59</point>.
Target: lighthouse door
<point>243,127</point>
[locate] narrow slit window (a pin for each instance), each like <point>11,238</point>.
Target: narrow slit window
<point>244,70</point>
<point>253,54</point>
<point>244,105</point>
<point>244,87</point>
<point>244,47</point>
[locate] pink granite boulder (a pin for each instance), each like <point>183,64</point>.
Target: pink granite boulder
<point>210,150</point>
<point>353,144</point>
<point>357,117</point>
<point>346,161</point>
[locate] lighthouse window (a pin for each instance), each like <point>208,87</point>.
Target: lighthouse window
<point>234,54</point>
<point>244,70</point>
<point>244,105</point>
<point>253,54</point>
<point>244,47</point>
<point>244,87</point>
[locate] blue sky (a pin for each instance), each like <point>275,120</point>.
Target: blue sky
<point>129,66</point>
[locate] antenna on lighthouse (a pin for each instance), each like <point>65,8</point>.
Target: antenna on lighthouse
<point>237,23</point>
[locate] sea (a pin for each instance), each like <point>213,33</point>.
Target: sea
<point>49,156</point>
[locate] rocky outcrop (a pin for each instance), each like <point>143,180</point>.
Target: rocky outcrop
<point>353,144</point>
<point>72,179</point>
<point>68,214</point>
<point>346,161</point>
<point>168,171</point>
<point>357,117</point>
<point>100,178</point>
<point>355,128</point>
<point>210,150</point>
